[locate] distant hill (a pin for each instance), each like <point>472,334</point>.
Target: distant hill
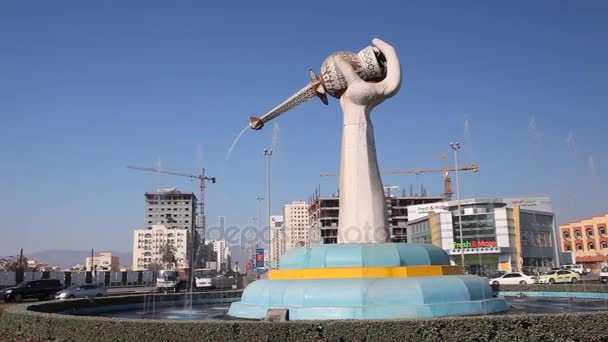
<point>66,258</point>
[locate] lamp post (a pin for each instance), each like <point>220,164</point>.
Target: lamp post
<point>455,146</point>
<point>260,199</point>
<point>268,154</point>
<point>252,245</point>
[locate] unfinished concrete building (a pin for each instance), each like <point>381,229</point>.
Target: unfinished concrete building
<point>324,212</point>
<point>171,208</point>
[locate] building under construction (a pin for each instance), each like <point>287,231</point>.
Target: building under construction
<point>171,208</point>
<point>324,212</point>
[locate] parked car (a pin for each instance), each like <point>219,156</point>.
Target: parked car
<point>513,278</point>
<point>559,276</point>
<point>580,269</point>
<point>604,275</point>
<point>496,274</point>
<point>82,291</point>
<point>41,289</point>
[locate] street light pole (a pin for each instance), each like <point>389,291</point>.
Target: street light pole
<point>268,154</point>
<point>252,249</point>
<point>455,147</point>
<point>260,199</point>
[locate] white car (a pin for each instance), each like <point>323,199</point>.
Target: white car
<point>82,291</point>
<point>513,278</point>
<point>578,268</point>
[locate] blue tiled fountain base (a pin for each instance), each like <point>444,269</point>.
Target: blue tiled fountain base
<point>370,298</point>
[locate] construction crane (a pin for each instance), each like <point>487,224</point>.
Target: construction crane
<point>202,177</point>
<point>388,189</point>
<point>447,181</point>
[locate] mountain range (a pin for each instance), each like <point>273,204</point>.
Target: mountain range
<point>65,258</point>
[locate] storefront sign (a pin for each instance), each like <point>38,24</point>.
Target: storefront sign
<point>475,244</point>
<point>432,207</point>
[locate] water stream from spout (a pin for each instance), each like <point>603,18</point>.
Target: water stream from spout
<point>235,142</point>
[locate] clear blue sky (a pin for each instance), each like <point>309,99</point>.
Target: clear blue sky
<point>87,88</point>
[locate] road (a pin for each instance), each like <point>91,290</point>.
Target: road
<point>131,289</point>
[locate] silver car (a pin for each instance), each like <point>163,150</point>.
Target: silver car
<point>82,291</point>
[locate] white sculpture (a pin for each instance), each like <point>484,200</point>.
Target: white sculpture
<point>361,81</point>
<point>363,216</point>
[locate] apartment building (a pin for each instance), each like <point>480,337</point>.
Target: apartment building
<point>296,225</point>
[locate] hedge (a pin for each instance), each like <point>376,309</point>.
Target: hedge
<point>592,288</point>
<point>34,320</point>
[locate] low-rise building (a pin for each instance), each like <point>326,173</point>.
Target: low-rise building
<point>506,234</point>
<point>104,262</point>
<point>587,240</point>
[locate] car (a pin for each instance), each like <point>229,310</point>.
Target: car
<point>604,275</point>
<point>82,291</point>
<point>41,289</point>
<point>559,276</point>
<point>513,278</point>
<point>496,274</point>
<point>576,268</point>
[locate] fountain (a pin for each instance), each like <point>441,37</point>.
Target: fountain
<point>363,276</point>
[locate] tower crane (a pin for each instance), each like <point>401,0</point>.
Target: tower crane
<point>447,181</point>
<point>202,177</point>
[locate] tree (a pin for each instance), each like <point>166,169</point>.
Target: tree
<point>167,252</point>
<point>205,254</point>
<point>154,266</point>
<point>13,264</point>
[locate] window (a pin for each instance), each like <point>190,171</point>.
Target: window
<point>148,236</point>
<point>602,231</point>
<point>603,245</point>
<point>566,236</point>
<point>577,234</point>
<point>579,247</point>
<point>513,275</point>
<point>568,248</point>
<point>589,232</point>
<point>591,246</point>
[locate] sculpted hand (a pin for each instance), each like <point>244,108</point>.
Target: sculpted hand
<point>371,94</point>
